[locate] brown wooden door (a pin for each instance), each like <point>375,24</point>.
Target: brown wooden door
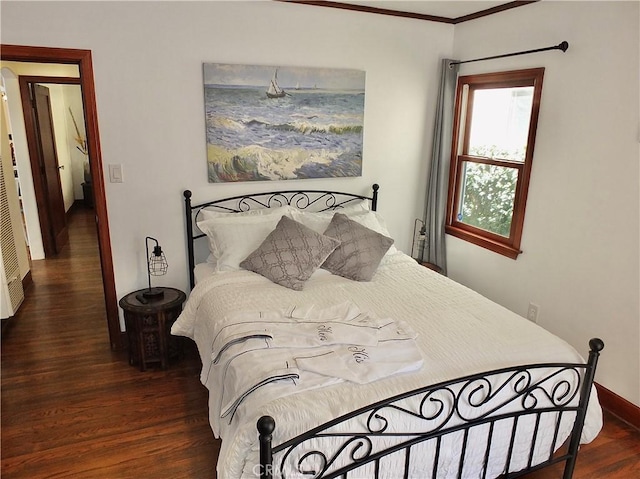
<point>58,234</point>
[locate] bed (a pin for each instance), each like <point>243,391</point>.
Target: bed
<point>454,386</point>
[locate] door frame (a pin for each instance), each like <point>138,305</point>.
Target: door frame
<point>40,190</point>
<point>82,58</point>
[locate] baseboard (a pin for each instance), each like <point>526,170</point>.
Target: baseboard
<point>619,406</point>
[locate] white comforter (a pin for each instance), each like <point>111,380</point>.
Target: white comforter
<point>459,333</point>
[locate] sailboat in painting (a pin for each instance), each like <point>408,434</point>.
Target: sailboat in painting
<point>274,90</point>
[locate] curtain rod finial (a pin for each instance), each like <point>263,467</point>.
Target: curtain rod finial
<point>564,46</point>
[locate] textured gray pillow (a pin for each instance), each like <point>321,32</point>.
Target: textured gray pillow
<point>290,254</point>
<point>360,252</point>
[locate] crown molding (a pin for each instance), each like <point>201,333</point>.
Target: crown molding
<point>413,15</point>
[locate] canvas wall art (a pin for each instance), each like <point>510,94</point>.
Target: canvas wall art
<point>279,123</point>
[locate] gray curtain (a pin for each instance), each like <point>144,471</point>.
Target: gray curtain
<point>434,250</point>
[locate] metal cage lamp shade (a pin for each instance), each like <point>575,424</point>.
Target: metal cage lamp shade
<point>156,266</point>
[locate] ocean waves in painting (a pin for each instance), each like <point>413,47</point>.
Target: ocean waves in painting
<point>306,134</point>
<point>307,127</point>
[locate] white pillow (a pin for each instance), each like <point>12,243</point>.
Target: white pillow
<point>206,214</point>
<point>319,221</point>
<point>232,237</point>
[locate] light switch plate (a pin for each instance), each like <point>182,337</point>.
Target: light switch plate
<point>115,173</point>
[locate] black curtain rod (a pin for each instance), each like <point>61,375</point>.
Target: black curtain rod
<point>562,46</point>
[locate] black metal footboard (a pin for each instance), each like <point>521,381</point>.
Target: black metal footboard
<point>485,419</point>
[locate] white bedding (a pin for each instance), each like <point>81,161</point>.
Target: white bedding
<point>459,333</point>
<point>203,270</point>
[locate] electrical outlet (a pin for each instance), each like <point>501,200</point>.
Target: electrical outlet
<point>532,313</point>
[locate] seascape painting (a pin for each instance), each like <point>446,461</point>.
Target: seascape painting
<point>280,123</point>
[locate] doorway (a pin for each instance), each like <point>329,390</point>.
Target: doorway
<point>82,58</point>
<point>41,128</point>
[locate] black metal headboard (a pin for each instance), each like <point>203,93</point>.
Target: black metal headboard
<point>315,200</point>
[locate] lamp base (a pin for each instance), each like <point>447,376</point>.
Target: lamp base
<point>153,293</point>
<point>150,294</point>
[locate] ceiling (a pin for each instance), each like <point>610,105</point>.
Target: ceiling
<point>452,11</point>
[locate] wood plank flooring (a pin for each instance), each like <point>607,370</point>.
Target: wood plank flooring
<point>71,408</point>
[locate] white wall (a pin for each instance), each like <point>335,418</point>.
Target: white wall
<point>147,60</point>
<point>73,100</point>
<point>59,113</point>
<point>580,241</point>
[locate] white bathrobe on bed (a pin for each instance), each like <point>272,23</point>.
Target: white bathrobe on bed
<point>278,353</point>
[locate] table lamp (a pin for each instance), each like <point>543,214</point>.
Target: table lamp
<point>156,266</point>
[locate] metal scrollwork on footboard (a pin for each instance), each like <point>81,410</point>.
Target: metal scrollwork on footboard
<point>540,404</point>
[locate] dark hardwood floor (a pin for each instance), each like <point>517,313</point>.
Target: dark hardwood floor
<point>73,408</point>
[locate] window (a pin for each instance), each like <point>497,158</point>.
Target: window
<point>494,132</point>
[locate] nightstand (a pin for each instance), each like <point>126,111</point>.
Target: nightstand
<point>149,327</point>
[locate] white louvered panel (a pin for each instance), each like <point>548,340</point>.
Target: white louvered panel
<point>12,291</point>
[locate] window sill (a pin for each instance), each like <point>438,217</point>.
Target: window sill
<point>484,242</point>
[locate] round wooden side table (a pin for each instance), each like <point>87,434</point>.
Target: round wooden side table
<point>148,322</point>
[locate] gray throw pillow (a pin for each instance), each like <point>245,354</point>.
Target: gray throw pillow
<point>290,254</point>
<point>360,252</point>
